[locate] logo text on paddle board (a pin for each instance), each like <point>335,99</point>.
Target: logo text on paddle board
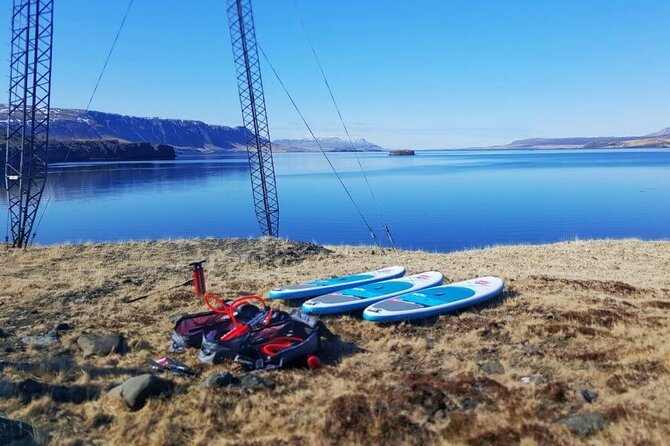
<point>482,282</point>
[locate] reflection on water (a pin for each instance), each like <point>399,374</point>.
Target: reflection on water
<point>435,200</point>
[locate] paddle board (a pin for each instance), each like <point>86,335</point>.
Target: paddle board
<point>352,299</point>
<point>434,301</point>
<point>325,286</point>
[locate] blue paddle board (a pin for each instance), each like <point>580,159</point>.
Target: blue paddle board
<point>325,286</point>
<point>434,301</point>
<point>357,298</point>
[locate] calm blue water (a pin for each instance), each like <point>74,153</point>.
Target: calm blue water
<point>439,201</point>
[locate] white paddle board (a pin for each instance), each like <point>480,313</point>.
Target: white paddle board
<point>434,301</point>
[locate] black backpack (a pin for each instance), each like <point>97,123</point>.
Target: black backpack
<point>188,329</point>
<point>259,339</point>
<point>282,340</point>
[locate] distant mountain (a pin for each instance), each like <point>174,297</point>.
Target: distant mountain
<point>660,133</point>
<point>79,124</point>
<point>187,136</point>
<point>329,144</point>
<point>656,139</point>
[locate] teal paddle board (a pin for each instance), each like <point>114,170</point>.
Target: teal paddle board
<point>325,286</point>
<point>357,298</point>
<point>434,301</point>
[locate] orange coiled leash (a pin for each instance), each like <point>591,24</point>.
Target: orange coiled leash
<point>239,328</point>
<point>280,343</point>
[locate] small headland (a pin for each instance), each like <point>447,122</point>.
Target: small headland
<point>402,152</point>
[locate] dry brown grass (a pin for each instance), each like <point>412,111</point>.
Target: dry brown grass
<point>580,315</point>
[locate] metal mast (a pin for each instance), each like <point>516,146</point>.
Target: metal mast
<point>254,115</point>
<point>28,114</point>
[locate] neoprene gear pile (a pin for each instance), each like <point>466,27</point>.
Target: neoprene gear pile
<point>259,339</point>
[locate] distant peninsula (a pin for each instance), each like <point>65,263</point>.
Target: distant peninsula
<point>77,151</point>
<point>658,139</point>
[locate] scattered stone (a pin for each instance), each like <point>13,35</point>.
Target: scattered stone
<point>116,391</point>
<point>62,326</point>
<point>41,341</point>
<point>531,350</point>
<point>587,395</point>
<point>276,252</point>
<point>8,389</point>
<point>137,390</point>
<point>175,317</point>
<point>469,403</point>
<point>219,380</point>
<point>532,379</point>
<point>253,382</point>
<point>585,424</point>
<point>133,280</point>
<point>16,433</point>
<point>492,368</point>
<point>100,345</point>
<point>142,344</point>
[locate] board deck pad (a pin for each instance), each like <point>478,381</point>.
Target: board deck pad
<point>357,298</point>
<point>375,289</point>
<point>431,298</point>
<point>324,286</point>
<point>433,301</point>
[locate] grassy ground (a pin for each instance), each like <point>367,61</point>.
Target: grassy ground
<point>586,315</point>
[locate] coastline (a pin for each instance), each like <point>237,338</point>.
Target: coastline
<point>582,316</point>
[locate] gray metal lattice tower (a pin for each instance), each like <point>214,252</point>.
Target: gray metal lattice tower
<point>254,115</point>
<point>28,114</point>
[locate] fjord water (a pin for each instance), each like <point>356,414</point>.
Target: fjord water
<point>438,201</point>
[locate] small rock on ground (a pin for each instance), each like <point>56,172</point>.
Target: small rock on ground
<point>219,380</point>
<point>253,382</point>
<point>532,379</point>
<point>587,395</point>
<point>137,390</point>
<point>63,326</point>
<point>100,345</point>
<point>585,424</point>
<point>492,368</point>
<point>15,433</point>
<point>41,341</point>
<point>8,389</point>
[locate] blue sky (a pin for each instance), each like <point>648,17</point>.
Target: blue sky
<point>422,74</point>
